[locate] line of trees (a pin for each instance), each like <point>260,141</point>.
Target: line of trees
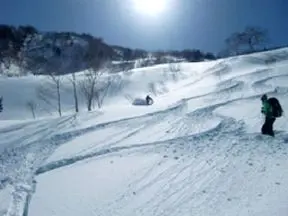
<point>91,87</point>
<point>49,54</point>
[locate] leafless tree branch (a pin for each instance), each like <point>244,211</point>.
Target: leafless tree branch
<point>31,105</point>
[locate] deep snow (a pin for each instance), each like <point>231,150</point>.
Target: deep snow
<point>196,151</point>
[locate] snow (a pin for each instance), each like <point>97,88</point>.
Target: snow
<point>196,151</point>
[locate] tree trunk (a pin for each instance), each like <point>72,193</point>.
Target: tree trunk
<point>91,95</point>
<point>59,98</point>
<point>97,96</point>
<point>75,93</point>
<point>33,113</point>
<point>89,105</point>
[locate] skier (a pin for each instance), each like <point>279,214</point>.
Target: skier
<point>149,100</point>
<point>272,109</point>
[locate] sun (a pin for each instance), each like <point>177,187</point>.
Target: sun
<point>150,7</point>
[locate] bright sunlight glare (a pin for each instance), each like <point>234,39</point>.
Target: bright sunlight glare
<point>150,7</point>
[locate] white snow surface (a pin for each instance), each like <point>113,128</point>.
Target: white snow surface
<point>196,151</point>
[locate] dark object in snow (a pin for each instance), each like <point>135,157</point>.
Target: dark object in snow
<point>143,102</point>
<point>149,100</point>
<point>277,110</point>
<point>272,109</point>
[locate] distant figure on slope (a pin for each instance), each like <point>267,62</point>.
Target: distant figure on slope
<point>272,109</point>
<point>149,100</point>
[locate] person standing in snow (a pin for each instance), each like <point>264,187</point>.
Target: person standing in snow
<point>272,109</point>
<point>149,100</point>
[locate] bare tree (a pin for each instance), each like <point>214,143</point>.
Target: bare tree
<point>73,80</point>
<point>233,42</point>
<point>75,92</point>
<point>78,53</point>
<point>250,37</point>
<point>57,82</point>
<point>255,36</point>
<point>50,91</point>
<point>88,87</point>
<point>53,67</point>
<point>92,87</point>
<point>102,92</point>
<point>31,105</point>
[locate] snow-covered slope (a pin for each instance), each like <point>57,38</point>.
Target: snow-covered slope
<point>124,88</point>
<point>196,151</point>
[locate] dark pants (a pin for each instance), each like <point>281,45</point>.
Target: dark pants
<point>267,127</point>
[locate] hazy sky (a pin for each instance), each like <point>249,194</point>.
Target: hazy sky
<point>202,24</point>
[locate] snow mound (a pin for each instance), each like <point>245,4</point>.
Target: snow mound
<point>139,102</point>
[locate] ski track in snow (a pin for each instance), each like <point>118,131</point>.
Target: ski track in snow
<point>196,158</point>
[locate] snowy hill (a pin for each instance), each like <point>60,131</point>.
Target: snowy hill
<point>25,50</point>
<point>196,151</point>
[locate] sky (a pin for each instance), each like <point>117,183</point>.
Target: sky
<point>185,24</point>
